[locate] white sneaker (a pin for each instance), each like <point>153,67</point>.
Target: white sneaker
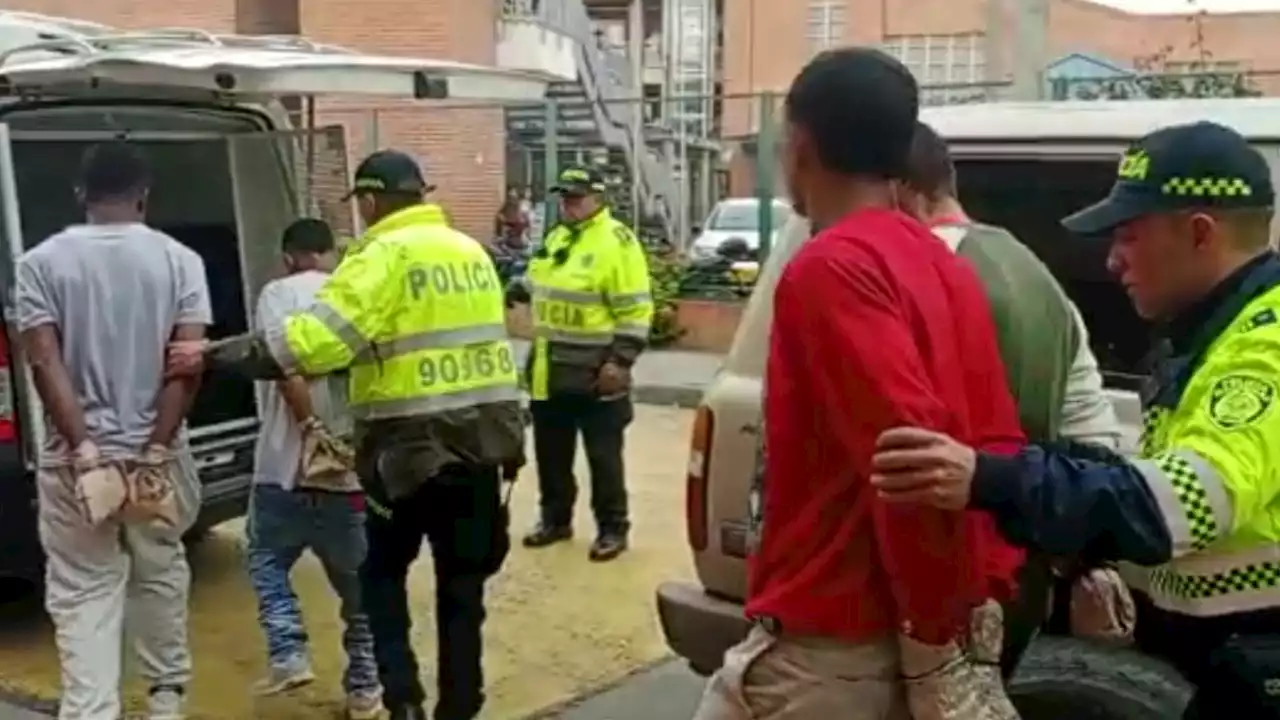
<point>166,704</point>
<point>280,680</point>
<point>364,705</point>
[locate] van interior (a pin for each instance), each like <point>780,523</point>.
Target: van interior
<point>192,200</point>
<point>1029,197</point>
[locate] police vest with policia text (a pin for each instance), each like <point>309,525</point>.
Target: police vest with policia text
<point>417,314</point>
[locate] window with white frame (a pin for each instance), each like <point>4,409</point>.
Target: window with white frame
<point>949,68</point>
<point>826,24</point>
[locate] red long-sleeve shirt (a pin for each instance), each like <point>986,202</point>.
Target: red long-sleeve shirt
<point>876,324</point>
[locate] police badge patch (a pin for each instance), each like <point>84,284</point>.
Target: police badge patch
<point>1239,400</point>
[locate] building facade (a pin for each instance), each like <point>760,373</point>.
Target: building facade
<point>975,49</point>
<point>956,42</point>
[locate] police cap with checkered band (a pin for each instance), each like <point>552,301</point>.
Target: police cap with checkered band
<point>1201,165</point>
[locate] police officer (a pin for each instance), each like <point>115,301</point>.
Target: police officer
<point>415,314</point>
<point>589,283</point>
<point>1189,219</point>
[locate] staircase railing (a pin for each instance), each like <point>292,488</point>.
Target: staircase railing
<point>616,103</point>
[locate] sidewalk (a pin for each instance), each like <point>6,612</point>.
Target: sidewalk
<point>665,377</point>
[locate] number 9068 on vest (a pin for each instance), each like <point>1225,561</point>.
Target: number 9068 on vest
<point>466,365</point>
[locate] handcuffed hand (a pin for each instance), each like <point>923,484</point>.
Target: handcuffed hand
<point>914,465</point>
<point>944,683</point>
<point>1102,607</point>
<point>149,482</point>
<point>99,485</point>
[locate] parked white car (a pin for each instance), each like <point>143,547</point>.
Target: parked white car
<point>736,218</point>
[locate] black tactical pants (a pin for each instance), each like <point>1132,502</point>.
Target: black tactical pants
<point>556,424</point>
<point>462,515</point>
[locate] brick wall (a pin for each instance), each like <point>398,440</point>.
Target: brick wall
<point>211,15</point>
<point>462,149</point>
<point>765,44</point>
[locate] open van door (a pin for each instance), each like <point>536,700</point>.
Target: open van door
<point>280,177</point>
<point>247,68</point>
<point>22,403</point>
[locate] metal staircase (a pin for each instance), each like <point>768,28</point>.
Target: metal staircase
<point>606,96</point>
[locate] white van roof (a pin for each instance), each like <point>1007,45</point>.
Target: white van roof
<point>1098,120</point>
<point>39,52</point>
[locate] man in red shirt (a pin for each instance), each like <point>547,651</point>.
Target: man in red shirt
<point>861,608</point>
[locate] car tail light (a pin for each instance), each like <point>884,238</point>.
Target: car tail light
<point>8,427</point>
<point>695,498</point>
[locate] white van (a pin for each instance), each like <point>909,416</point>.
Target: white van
<point>1024,167</point>
<point>231,172</point>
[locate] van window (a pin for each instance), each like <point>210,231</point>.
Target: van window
<point>1029,198</point>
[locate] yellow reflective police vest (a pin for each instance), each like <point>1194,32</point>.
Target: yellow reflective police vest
<point>416,312</point>
<point>1213,464</point>
<point>590,301</point>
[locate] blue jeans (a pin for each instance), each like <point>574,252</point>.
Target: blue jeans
<point>283,523</point>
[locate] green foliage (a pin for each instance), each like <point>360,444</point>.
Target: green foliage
<point>1201,78</point>
<point>666,270</point>
<point>1169,86</point>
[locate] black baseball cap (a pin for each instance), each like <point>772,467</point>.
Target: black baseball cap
<point>579,180</point>
<point>389,171</point>
<point>1201,165</point>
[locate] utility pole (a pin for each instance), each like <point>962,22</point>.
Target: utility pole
<point>1030,52</point>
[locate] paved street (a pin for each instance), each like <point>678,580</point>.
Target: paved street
<point>668,691</point>
<point>550,640</point>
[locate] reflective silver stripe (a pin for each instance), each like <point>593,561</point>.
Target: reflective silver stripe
<point>384,350</point>
<point>1192,498</point>
<point>572,296</point>
<point>278,344</point>
<point>434,404</point>
<point>339,326</point>
<point>574,337</point>
<point>1217,583</point>
<point>639,331</point>
<point>621,300</point>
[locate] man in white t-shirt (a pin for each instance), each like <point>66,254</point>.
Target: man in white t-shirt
<point>286,519</point>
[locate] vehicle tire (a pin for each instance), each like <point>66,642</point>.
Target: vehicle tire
<point>1069,679</point>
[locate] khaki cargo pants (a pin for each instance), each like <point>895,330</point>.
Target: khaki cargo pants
<point>767,677</point>
<point>98,580</point>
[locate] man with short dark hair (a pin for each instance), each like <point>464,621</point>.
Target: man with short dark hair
<point>415,314</point>
<point>1044,344</point>
<point>97,304</point>
<point>289,512</point>
<point>860,610</point>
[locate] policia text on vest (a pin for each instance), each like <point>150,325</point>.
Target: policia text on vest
<point>415,315</point>
<point>590,295</point>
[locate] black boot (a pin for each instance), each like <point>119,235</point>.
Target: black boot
<point>608,546</point>
<point>544,535</point>
<point>408,712</point>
